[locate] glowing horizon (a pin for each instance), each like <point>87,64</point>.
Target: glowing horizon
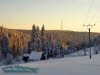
<point>22,14</point>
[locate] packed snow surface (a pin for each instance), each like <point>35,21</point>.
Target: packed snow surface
<point>70,65</point>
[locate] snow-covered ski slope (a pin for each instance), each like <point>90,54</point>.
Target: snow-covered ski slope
<point>79,65</point>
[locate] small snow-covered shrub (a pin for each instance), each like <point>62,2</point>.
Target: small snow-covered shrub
<point>9,59</point>
<point>18,59</point>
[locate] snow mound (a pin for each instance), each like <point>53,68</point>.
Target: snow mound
<point>35,55</point>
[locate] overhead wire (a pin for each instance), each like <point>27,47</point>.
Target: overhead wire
<point>91,2</point>
<point>93,17</point>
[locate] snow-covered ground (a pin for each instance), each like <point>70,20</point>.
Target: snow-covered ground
<point>80,65</point>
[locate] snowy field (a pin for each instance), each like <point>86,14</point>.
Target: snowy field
<point>80,65</point>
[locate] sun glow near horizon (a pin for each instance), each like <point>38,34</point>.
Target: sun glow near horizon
<point>22,14</point>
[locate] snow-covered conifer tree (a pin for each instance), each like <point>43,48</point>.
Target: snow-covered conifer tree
<point>59,48</point>
<point>42,39</point>
<point>54,51</point>
<point>58,45</point>
<point>71,47</point>
<point>36,40</point>
<point>95,46</point>
<point>31,42</point>
<point>50,46</point>
<point>5,45</point>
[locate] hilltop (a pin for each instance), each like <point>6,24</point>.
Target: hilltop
<point>67,35</point>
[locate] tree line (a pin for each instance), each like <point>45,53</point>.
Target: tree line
<point>14,44</point>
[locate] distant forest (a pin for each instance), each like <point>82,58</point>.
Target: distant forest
<point>67,35</point>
